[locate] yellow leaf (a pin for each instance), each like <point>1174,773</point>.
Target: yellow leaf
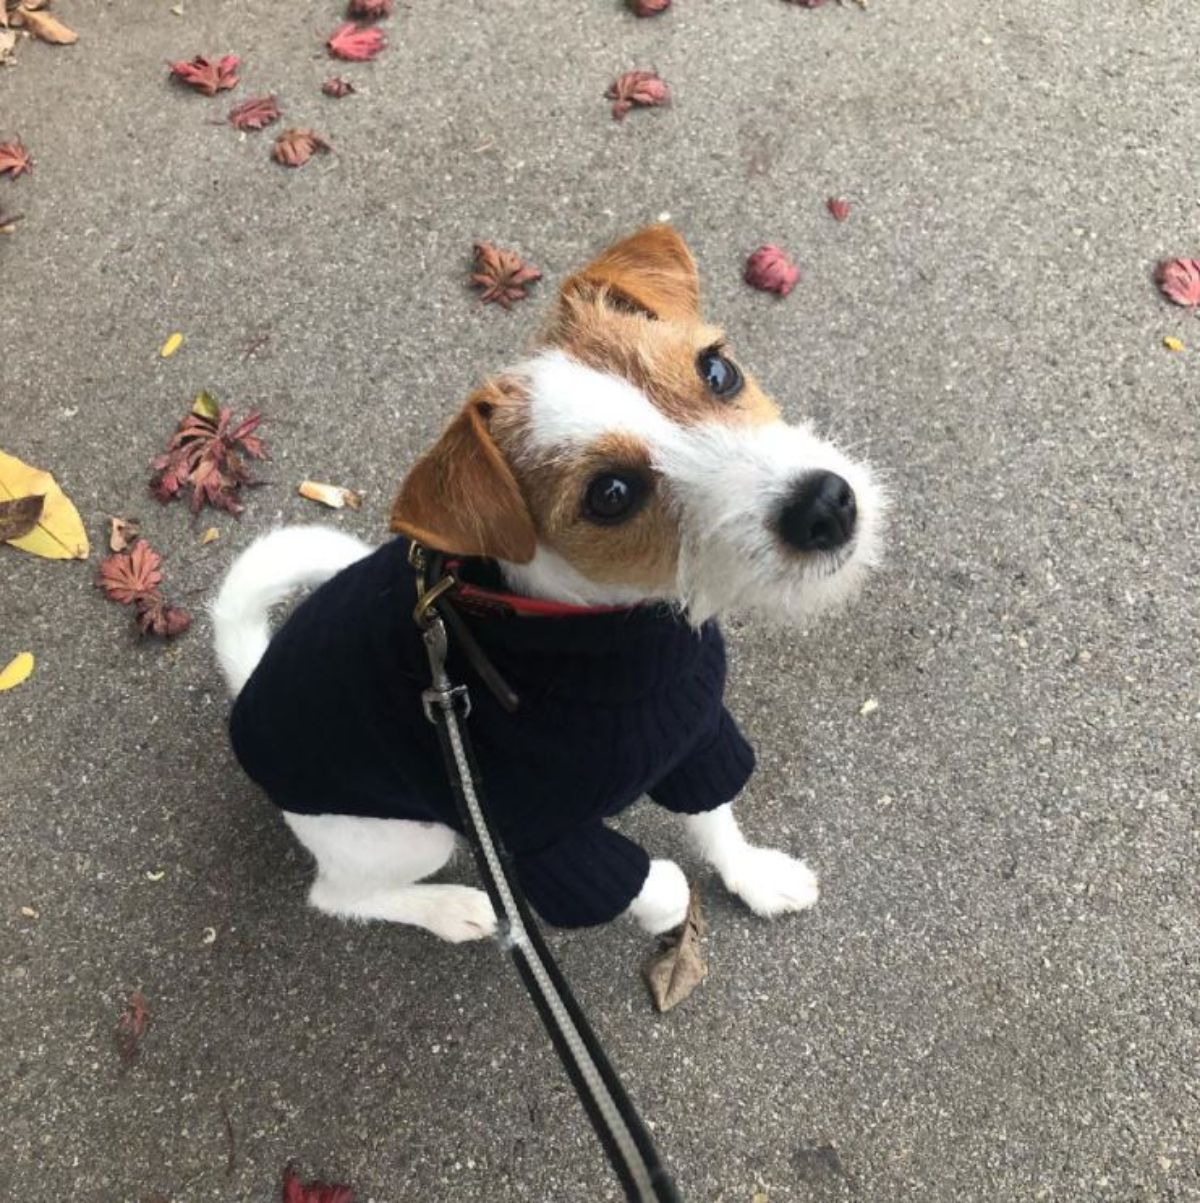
<point>59,534</point>
<point>205,406</point>
<point>173,343</point>
<point>44,26</point>
<point>211,535</point>
<point>16,670</point>
<point>1172,343</point>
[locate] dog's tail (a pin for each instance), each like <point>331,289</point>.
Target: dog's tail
<point>263,575</point>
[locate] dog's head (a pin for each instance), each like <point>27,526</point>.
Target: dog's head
<point>631,457</point>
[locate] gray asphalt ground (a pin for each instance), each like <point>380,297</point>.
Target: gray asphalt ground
<point>997,996</point>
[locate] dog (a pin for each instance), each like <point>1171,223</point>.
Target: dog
<point>602,501</point>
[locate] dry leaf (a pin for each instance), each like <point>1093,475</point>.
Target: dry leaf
<point>16,670</point>
<point>503,275</point>
<point>1172,343</point>
<point>294,147</point>
<point>207,76</point>
<point>255,113</point>
<point>46,27</point>
<point>8,221</point>
<point>1179,280</point>
<point>640,89</point>
<point>204,405</point>
<point>131,1027</point>
<point>132,578</point>
<point>869,707</point>
<point>838,209</point>
<point>357,43</point>
<point>173,343</point>
<point>649,8</point>
<point>678,967</point>
<point>334,496</point>
<point>337,87</point>
<point>771,270</point>
<point>30,912</point>
<point>122,533</point>
<point>19,516</point>
<point>211,535</point>
<point>370,10</point>
<point>8,39</point>
<point>14,158</point>
<point>209,455</point>
<point>295,1191</point>
<point>59,534</point>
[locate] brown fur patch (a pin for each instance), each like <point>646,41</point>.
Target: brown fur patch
<point>641,552</point>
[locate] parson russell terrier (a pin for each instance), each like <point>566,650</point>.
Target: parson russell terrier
<point>603,499</point>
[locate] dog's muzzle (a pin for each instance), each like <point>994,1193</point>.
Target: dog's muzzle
<point>820,515</point>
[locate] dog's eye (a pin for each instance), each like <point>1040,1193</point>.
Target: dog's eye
<point>613,497</point>
<point>721,375</point>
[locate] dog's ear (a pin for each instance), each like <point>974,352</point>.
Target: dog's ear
<point>651,272</point>
<point>461,495</point>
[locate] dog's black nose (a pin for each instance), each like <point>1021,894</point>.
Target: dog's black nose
<point>819,515</point>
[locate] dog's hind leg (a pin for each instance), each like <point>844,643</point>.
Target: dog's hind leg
<point>768,881</point>
<point>369,868</point>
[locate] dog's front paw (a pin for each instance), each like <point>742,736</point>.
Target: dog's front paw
<point>461,913</point>
<point>770,882</point>
<point>663,901</point>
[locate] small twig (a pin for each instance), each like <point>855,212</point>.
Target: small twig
<point>256,346</point>
<point>231,1159</point>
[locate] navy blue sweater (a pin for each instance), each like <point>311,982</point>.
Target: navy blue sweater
<point>614,704</point>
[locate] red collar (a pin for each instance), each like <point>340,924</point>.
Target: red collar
<point>476,599</point>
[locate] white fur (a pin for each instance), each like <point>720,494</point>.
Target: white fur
<point>663,901</point>
<point>768,881</point>
<point>262,576</point>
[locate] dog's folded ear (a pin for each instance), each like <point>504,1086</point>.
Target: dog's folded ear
<point>651,272</point>
<point>461,496</point>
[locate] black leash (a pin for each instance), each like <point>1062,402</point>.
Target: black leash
<point>626,1141</point>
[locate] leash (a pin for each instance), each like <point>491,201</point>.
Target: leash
<point>626,1141</point>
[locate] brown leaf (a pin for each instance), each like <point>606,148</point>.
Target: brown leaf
<point>19,517</point>
<point>337,87</point>
<point>502,275</point>
<point>131,576</point>
<point>14,158</point>
<point>295,1191</point>
<point>255,113</point>
<point>649,8</point>
<point>770,270</point>
<point>208,76</point>
<point>294,147</point>
<point>211,457</point>
<point>122,533</point>
<point>1179,280</point>
<point>8,40</point>
<point>370,10</point>
<point>678,967</point>
<point>131,1027</point>
<point>641,89</point>
<point>356,43</point>
<point>44,26</point>
<point>839,209</point>
<point>155,616</point>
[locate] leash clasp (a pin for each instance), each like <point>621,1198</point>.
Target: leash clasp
<point>441,693</point>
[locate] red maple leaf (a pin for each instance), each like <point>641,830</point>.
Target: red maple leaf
<point>337,87</point>
<point>131,1027</point>
<point>771,270</point>
<point>206,76</point>
<point>294,147</point>
<point>255,113</point>
<point>131,576</point>
<point>1179,280</point>
<point>502,274</point>
<point>14,158</point>
<point>640,89</point>
<point>209,455</point>
<point>357,43</point>
<point>370,10</point>
<point>838,209</point>
<point>295,1191</point>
